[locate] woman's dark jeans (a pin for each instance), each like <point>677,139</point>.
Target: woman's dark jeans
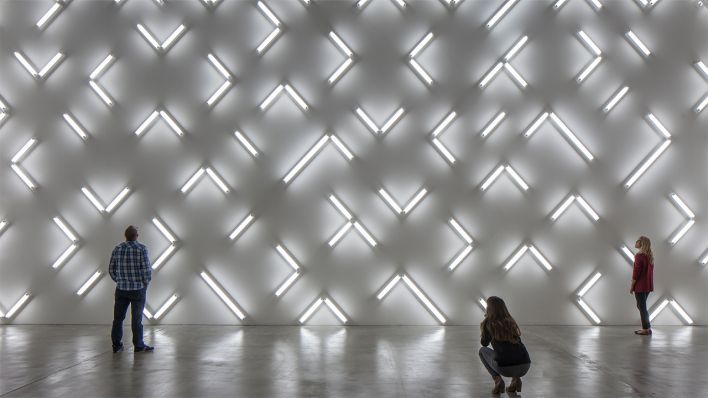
<point>641,298</point>
<point>488,357</point>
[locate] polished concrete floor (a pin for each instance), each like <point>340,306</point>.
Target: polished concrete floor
<point>324,361</point>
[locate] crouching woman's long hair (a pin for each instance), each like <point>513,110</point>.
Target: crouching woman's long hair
<point>499,323</point>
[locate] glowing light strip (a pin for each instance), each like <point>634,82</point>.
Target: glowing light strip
<point>342,148</point>
<point>306,159</point>
<point>704,260</point>
<point>681,312</point>
<point>333,307</point>
<point>149,37</point>
<point>638,44</point>
<point>340,44</point>
<point>516,177</point>
<point>497,172</point>
<point>589,311</point>
<point>515,258</point>
<point>388,287</point>
<point>346,64</point>
<point>49,15</point>
<point>426,301</point>
<point>444,123</point>
<point>500,13</point>
<point>193,180</point>
<point>702,104</point>
<point>391,202</point>
<point>241,227</point>
<point>536,124</point>
<point>445,152</point>
<point>569,134</point>
<point>515,75</point>
<point>420,72</point>
<point>647,163</point>
<point>589,284</point>
<point>343,210</point>
<point>23,176</point>
<point>147,313</point>
<point>246,143</point>
<point>65,229</point>
<point>392,120</point>
<point>340,71</point>
<point>421,45</point>
<point>164,231</point>
<point>461,231</point>
<point>588,70</point>
<point>658,309</point>
<point>413,202</point>
<point>558,4</point>
<point>288,258</point>
<point>627,253</point>
<point>492,125</point>
<point>338,236</point>
<point>311,310</point>
<point>596,4</point>
<point>217,180</point>
<point>589,210</point>
<point>93,199</point>
<point>271,97</point>
<point>163,257</point>
<point>223,296</point>
<point>13,310</point>
<point>101,93</point>
<point>482,302</point>
<point>702,68</point>
<point>26,64</point>
<point>75,126</point>
<point>615,99</point>
<point>87,285</point>
<point>117,200</point>
<point>658,125</point>
<point>167,44</point>
<point>540,257</point>
<point>65,255</point>
<point>171,122</point>
<point>681,232</point>
<point>3,225</point>
<point>96,73</point>
<point>515,48</point>
<point>563,207</point>
<point>287,283</point>
<point>268,13</point>
<point>147,123</point>
<point>165,307</point>
<point>589,43</point>
<point>460,257</point>
<point>682,205</point>
<point>4,110</point>
<point>268,41</point>
<point>365,234</point>
<point>490,75</point>
<point>51,64</point>
<point>24,150</point>
<point>219,66</point>
<point>220,92</point>
<point>367,120</point>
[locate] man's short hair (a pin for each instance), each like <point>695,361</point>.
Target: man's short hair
<point>131,233</point>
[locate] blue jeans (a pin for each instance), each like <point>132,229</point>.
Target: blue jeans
<point>641,298</point>
<point>488,357</point>
<point>136,300</point>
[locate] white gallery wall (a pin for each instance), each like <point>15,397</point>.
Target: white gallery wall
<point>380,162</point>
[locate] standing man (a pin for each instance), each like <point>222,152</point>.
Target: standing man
<point>130,269</point>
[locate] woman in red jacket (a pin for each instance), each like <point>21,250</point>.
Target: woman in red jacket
<point>643,281</point>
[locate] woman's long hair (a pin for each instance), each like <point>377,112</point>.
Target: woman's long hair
<point>645,247</point>
<point>499,323</point>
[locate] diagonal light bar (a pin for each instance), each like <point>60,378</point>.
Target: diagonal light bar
<point>246,143</point>
<point>654,155</point>
<point>500,13</point>
<point>688,213</point>
<point>563,128</point>
<point>75,126</point>
<point>417,68</point>
<point>583,305</point>
<point>223,296</point>
<point>241,227</point>
<point>150,120</point>
<point>637,43</point>
<point>348,62</point>
<point>165,307</point>
<point>274,34</point>
<point>416,290</point>
<point>493,124</point>
<point>299,101</point>
<point>4,111</point>
<point>49,16</point>
<point>442,126</point>
<point>510,171</point>
<point>412,203</point>
<point>69,233</point>
<point>96,74</point>
<point>89,283</point>
<point>17,306</point>
<point>45,71</point>
<point>293,264</point>
<point>615,99</point>
<point>676,306</point>
<point>589,211</point>
<point>3,226</point>
<point>167,44</point>
<point>466,250</point>
<point>351,222</point>
<point>503,63</point>
<point>312,153</point>
<point>596,52</point>
<point>703,70</point>
<point>627,253</point>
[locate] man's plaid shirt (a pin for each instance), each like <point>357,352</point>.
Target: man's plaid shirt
<point>130,266</point>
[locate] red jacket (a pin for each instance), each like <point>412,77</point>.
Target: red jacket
<point>643,273</point>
